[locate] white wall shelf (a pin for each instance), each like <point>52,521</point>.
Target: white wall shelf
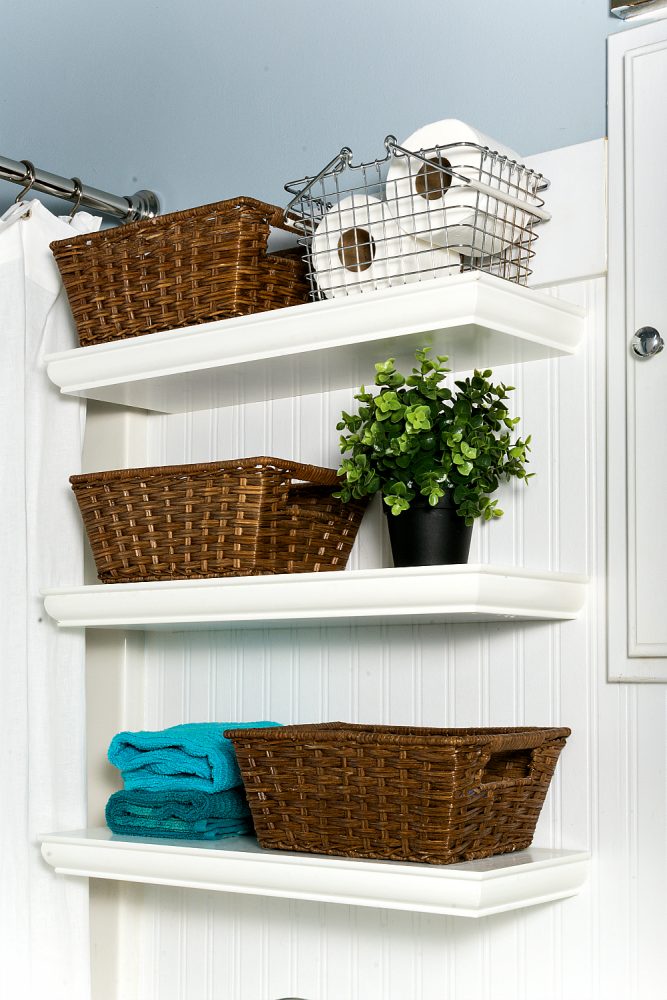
<point>476,319</point>
<point>424,594</point>
<point>239,865</point>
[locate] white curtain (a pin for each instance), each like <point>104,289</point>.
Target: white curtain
<point>44,947</point>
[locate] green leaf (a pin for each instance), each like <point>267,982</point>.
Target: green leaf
<point>418,417</point>
<point>397,504</point>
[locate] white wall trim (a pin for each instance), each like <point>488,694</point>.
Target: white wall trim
<point>577,200</point>
<point>115,438</point>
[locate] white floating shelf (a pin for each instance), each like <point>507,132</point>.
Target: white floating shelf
<point>424,594</point>
<point>476,319</point>
<point>471,889</point>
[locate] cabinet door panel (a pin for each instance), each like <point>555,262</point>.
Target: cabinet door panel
<point>637,531</point>
<point>646,194</point>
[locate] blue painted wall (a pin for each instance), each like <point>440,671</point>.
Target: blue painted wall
<point>209,99</point>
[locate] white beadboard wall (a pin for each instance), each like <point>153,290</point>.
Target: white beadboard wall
<point>609,794</point>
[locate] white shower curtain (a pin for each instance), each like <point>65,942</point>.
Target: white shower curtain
<point>44,949</point>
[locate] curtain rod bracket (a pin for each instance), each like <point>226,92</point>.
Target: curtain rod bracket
<point>143,205</point>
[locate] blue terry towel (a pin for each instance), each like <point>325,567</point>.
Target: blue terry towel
<point>186,815</point>
<point>193,756</point>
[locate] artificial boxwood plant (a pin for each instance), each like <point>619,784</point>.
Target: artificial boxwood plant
<point>417,437</point>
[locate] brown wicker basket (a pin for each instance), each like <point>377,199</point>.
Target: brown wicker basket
<point>237,518</point>
<point>178,270</point>
<point>395,792</point>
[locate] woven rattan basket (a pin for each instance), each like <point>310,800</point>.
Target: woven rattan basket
<point>178,270</point>
<point>237,518</point>
<point>393,792</point>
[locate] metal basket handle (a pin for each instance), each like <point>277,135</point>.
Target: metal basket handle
<point>300,189</point>
<point>335,166</point>
<point>486,189</point>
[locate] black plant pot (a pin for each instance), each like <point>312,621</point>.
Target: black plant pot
<point>428,536</point>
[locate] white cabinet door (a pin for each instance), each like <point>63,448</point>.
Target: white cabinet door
<point>637,404</point>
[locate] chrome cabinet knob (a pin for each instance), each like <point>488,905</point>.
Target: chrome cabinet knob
<point>646,343</point>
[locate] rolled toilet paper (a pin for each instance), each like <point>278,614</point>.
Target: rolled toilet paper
<point>358,246</point>
<point>442,209</point>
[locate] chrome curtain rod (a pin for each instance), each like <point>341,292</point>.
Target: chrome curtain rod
<point>128,208</point>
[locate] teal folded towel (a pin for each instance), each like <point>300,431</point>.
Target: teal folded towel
<point>192,756</point>
<point>186,815</point>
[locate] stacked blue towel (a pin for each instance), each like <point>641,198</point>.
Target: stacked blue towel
<point>195,755</point>
<point>180,782</point>
<point>191,815</point>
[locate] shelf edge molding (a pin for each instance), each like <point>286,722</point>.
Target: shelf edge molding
<point>425,594</point>
<point>239,865</point>
<point>477,319</point>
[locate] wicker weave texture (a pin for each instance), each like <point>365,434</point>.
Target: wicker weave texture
<point>238,518</point>
<point>400,793</point>
<point>178,270</point>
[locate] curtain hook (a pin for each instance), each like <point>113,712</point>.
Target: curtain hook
<point>30,173</point>
<point>78,191</point>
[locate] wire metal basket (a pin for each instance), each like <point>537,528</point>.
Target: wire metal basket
<point>416,215</point>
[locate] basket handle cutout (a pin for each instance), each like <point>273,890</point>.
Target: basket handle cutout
<point>507,764</point>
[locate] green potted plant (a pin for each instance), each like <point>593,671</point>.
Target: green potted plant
<point>436,454</point>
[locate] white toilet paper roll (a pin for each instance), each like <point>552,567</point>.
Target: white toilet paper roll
<point>359,246</point>
<point>442,209</point>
